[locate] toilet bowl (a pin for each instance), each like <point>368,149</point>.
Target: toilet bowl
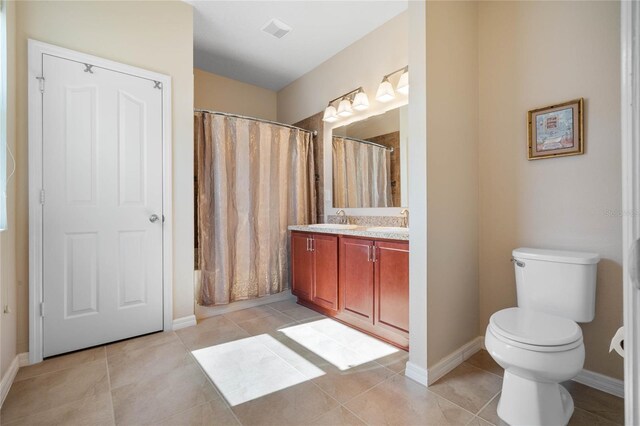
<point>539,343</point>
<point>537,352</point>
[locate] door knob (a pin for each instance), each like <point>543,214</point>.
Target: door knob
<point>154,218</point>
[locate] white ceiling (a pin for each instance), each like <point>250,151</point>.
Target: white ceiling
<point>228,39</point>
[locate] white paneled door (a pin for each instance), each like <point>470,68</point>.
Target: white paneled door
<point>102,205</point>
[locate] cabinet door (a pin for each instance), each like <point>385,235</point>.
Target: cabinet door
<point>301,265</point>
<point>325,253</point>
<point>392,285</point>
<point>356,277</point>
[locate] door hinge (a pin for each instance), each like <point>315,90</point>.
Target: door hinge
<point>42,309</point>
<point>41,82</point>
<point>42,196</point>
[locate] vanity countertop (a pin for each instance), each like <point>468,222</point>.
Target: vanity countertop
<point>360,231</point>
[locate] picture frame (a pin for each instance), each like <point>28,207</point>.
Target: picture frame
<point>556,130</point>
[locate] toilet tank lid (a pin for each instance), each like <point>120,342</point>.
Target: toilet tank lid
<point>561,256</point>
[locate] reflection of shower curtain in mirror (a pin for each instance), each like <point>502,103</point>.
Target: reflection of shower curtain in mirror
<point>254,179</point>
<point>361,175</point>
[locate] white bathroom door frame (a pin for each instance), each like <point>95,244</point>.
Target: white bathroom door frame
<point>36,51</point>
<point>630,121</point>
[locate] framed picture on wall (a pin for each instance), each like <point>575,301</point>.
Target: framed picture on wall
<point>556,130</point>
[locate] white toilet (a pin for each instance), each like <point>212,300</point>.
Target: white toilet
<point>539,343</point>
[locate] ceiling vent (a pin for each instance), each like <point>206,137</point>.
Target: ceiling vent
<point>276,28</point>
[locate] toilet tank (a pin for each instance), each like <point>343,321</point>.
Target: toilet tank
<point>558,282</point>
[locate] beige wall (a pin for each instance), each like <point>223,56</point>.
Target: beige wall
<point>126,32</point>
<point>452,174</point>
<point>534,54</point>
<point>363,63</point>
<point>217,93</point>
<point>8,283</point>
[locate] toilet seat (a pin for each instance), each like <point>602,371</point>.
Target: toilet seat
<point>534,330</point>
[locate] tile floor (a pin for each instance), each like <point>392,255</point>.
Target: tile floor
<point>157,379</point>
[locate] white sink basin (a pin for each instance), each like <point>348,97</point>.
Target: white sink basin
<point>332,226</point>
<point>389,229</point>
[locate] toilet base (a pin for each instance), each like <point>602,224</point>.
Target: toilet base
<point>527,402</point>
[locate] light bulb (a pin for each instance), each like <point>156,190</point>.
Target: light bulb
<point>344,108</point>
<point>330,114</point>
<point>403,83</point>
<point>385,91</point>
<point>361,101</point>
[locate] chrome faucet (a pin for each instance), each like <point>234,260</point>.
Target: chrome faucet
<point>405,218</point>
<point>343,216</point>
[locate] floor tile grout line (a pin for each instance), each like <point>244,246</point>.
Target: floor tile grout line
<point>373,387</point>
<point>393,373</point>
<point>215,388</point>
<point>466,361</point>
<point>250,319</point>
<point>194,361</point>
<point>96,361</point>
<point>487,404</point>
<point>481,369</point>
<point>340,403</point>
<point>476,417</point>
<point>427,389</point>
<point>449,401</point>
<point>597,415</point>
<point>355,415</point>
<point>113,408</point>
<point>343,346</point>
<point>60,369</point>
<point>308,379</point>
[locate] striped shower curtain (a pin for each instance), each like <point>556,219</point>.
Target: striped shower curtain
<point>361,175</point>
<point>253,180</point>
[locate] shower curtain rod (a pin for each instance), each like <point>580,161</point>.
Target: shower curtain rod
<point>388,148</point>
<point>226,114</point>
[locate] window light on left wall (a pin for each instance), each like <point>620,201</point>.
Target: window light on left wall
<point>3,115</point>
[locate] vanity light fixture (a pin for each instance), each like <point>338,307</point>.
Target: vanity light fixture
<point>360,101</point>
<point>385,91</point>
<point>345,107</point>
<point>403,83</point>
<point>330,114</point>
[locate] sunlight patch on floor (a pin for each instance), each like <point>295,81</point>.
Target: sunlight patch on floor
<point>338,344</point>
<point>247,369</point>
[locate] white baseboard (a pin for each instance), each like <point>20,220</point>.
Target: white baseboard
<point>23,359</point>
<point>212,311</point>
<point>454,359</point>
<point>417,374</point>
<point>19,360</point>
<point>184,322</point>
<point>601,382</point>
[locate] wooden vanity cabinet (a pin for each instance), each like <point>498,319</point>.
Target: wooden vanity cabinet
<point>359,281</point>
<point>302,267</point>
<point>356,278</point>
<point>314,268</point>
<point>392,285</point>
<point>374,287</point>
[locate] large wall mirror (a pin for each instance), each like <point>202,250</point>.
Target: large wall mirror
<point>369,162</point>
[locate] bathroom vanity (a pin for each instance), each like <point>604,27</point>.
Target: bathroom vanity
<point>356,276</point>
